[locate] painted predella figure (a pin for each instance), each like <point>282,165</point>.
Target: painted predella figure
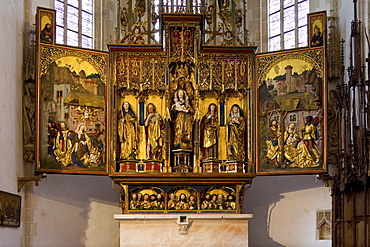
<point>291,111</point>
<point>73,113</point>
<point>215,199</point>
<point>181,199</point>
<point>146,199</point>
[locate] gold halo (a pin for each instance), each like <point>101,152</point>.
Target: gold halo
<point>147,191</point>
<point>217,192</point>
<point>179,192</point>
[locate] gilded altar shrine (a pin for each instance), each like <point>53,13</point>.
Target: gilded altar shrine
<point>176,112</point>
<point>182,117</point>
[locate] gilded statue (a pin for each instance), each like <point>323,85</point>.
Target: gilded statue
<point>209,126</point>
<point>134,202</point>
<point>159,205</point>
<point>295,152</point>
<point>230,202</point>
<point>182,79</point>
<point>228,38</point>
<point>223,5</point>
<point>272,142</point>
<point>124,17</point>
<point>145,203</point>
<point>182,203</point>
<point>193,205</point>
<point>209,15</point>
<point>154,131</point>
<point>236,129</point>
<point>206,203</point>
<point>239,18</point>
<point>136,37</point>
<point>128,130</point>
<point>182,116</point>
<point>140,7</point>
<point>171,204</point>
<point>218,202</point>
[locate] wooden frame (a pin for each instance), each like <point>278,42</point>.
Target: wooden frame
<point>317,29</point>
<point>10,209</point>
<point>45,26</point>
<point>72,110</point>
<point>292,90</point>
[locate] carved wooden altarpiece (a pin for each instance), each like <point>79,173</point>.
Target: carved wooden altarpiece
<point>171,124</point>
<point>185,111</point>
<point>171,112</point>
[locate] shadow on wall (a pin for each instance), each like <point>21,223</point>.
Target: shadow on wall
<point>261,199</point>
<point>76,211</point>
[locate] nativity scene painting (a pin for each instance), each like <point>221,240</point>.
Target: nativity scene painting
<point>291,113</point>
<point>72,107</point>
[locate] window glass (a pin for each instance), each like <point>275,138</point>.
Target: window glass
<point>275,24</point>
<point>289,18</point>
<point>73,3</point>
<point>287,24</point>
<point>86,24</point>
<point>72,38</point>
<point>302,13</point>
<point>289,40</point>
<point>59,7</point>
<point>288,3</point>
<point>274,6</point>
<point>274,43</point>
<point>59,35</point>
<point>302,36</point>
<point>87,5</point>
<point>86,41</point>
<point>74,20</point>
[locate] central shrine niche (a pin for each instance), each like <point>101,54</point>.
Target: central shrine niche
<point>182,110</point>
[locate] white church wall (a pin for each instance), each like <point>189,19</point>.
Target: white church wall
<point>284,211</point>
<point>11,51</point>
<point>76,211</point>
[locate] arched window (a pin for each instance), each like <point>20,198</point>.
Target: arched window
<point>293,118</point>
<point>287,24</point>
<point>74,22</point>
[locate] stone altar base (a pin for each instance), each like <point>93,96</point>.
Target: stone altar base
<point>170,230</point>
